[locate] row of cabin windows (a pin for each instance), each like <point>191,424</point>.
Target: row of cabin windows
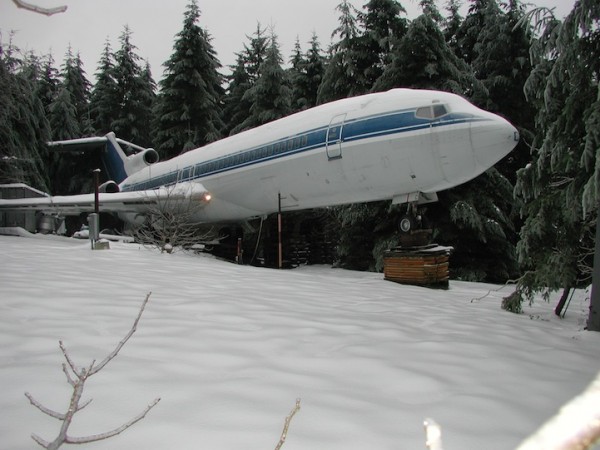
<point>230,161</point>
<point>426,112</point>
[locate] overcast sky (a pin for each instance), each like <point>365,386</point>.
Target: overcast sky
<point>87,25</point>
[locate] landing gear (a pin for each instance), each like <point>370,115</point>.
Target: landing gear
<point>407,223</point>
<point>412,227</point>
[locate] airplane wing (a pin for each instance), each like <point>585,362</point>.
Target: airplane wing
<point>172,197</point>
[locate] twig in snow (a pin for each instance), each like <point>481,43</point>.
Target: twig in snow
<point>433,435</point>
<point>286,425</point>
<point>77,377</point>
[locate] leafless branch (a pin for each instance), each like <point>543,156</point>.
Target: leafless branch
<point>40,9</point>
<point>77,380</point>
<point>43,409</point>
<point>171,222</point>
<point>116,431</point>
<point>286,425</point>
<point>116,351</point>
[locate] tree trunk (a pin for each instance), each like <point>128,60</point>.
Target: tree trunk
<point>562,301</point>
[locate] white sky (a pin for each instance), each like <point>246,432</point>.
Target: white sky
<point>88,23</point>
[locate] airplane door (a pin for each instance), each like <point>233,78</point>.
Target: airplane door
<point>333,141</point>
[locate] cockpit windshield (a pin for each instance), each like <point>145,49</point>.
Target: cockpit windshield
<point>431,112</point>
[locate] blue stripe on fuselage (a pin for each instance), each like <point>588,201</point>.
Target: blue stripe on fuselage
<point>353,130</point>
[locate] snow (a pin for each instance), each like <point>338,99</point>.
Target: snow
<point>230,348</point>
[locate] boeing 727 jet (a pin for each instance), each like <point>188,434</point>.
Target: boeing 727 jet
<point>403,145</point>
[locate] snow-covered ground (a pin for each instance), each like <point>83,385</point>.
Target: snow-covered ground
<point>229,349</point>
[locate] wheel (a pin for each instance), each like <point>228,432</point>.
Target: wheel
<point>406,223</point>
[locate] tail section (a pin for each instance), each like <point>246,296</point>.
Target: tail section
<point>120,158</point>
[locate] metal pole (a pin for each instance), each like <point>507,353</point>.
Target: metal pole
<point>280,255</point>
<point>96,191</point>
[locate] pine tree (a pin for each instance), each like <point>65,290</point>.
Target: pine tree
<point>76,83</point>
<point>236,109</point>
<point>423,60</point>
<point>452,24</point>
<point>270,96</point>
<point>382,28</point>
<point>306,74</point>
<point>245,75</point>
<point>560,188</point>
<point>48,84</point>
<point>24,129</point>
<point>133,94</point>
<point>189,104</point>
<point>103,103</point>
<point>341,74</point>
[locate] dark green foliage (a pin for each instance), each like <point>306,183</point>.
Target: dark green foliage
<point>133,94</point>
<point>244,76</point>
<point>382,28</point>
<point>476,220</point>
<point>78,87</point>
<point>306,75</point>
<point>424,60</point>
<point>342,77</point>
<point>24,128</point>
<point>559,189</point>
<point>367,230</point>
<point>270,96</point>
<point>103,102</point>
<point>189,105</point>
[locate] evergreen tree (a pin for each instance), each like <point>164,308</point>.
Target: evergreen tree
<point>104,103</point>
<point>133,95</point>
<point>306,75</point>
<point>296,77</point>
<point>341,78</point>
<point>452,24</point>
<point>76,83</point>
<point>560,188</point>
<point>245,75</point>
<point>24,129</point>
<point>270,96</point>
<point>189,105</point>
<point>423,60</point>
<point>48,84</point>
<point>236,109</point>
<point>382,29</point>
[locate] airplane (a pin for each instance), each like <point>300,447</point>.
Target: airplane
<point>403,145</point>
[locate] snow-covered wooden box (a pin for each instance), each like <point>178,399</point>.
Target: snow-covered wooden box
<point>422,266</point>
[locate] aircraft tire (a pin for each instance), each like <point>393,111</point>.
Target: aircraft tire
<point>406,223</point>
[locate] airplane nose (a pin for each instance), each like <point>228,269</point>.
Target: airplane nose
<point>492,138</point>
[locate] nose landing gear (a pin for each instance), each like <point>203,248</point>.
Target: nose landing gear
<point>413,227</point>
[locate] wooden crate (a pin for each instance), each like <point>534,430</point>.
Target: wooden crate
<point>421,266</point>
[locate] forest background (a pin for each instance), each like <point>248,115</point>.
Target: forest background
<point>532,217</point>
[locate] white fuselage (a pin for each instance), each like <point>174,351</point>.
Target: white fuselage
<point>374,147</point>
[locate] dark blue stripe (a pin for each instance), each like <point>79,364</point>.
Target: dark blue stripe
<point>354,130</point>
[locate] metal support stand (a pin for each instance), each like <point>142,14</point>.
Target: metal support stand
<point>279,226</point>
